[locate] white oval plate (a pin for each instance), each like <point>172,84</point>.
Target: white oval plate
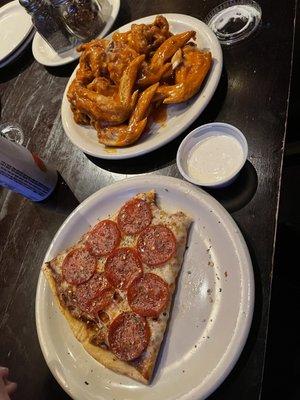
<point>19,50</point>
<point>212,311</point>
<point>179,116</point>
<point>15,26</point>
<point>45,55</point>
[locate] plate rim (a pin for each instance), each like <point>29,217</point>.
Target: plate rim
<point>12,4</point>
<point>237,341</point>
<point>48,63</point>
<point>169,138</point>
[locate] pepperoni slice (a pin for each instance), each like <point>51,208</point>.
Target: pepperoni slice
<point>128,336</point>
<point>122,266</point>
<point>134,216</point>
<point>78,266</point>
<point>104,237</point>
<point>148,295</point>
<point>156,245</point>
<point>94,295</point>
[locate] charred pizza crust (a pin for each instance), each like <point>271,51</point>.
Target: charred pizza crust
<point>88,333</point>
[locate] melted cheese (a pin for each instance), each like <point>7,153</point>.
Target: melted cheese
<point>178,223</point>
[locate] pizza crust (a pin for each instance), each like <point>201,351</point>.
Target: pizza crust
<point>141,370</point>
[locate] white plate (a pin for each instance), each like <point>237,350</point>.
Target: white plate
<point>45,55</point>
<point>15,26</point>
<point>179,116</point>
<point>212,311</point>
<point>19,50</point>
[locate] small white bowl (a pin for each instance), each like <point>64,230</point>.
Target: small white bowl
<point>201,133</point>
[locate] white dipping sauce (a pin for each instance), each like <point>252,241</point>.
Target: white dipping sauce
<point>215,158</point>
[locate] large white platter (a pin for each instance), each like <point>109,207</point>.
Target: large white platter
<point>180,116</point>
<point>45,55</point>
<point>212,312</point>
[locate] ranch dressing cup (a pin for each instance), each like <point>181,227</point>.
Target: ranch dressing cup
<point>212,155</point>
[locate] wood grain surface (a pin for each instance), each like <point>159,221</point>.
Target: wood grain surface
<point>252,95</point>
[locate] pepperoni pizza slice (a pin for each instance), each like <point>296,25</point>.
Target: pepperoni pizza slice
<point>115,286</point>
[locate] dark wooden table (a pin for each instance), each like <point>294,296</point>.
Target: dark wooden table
<point>253,95</point>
